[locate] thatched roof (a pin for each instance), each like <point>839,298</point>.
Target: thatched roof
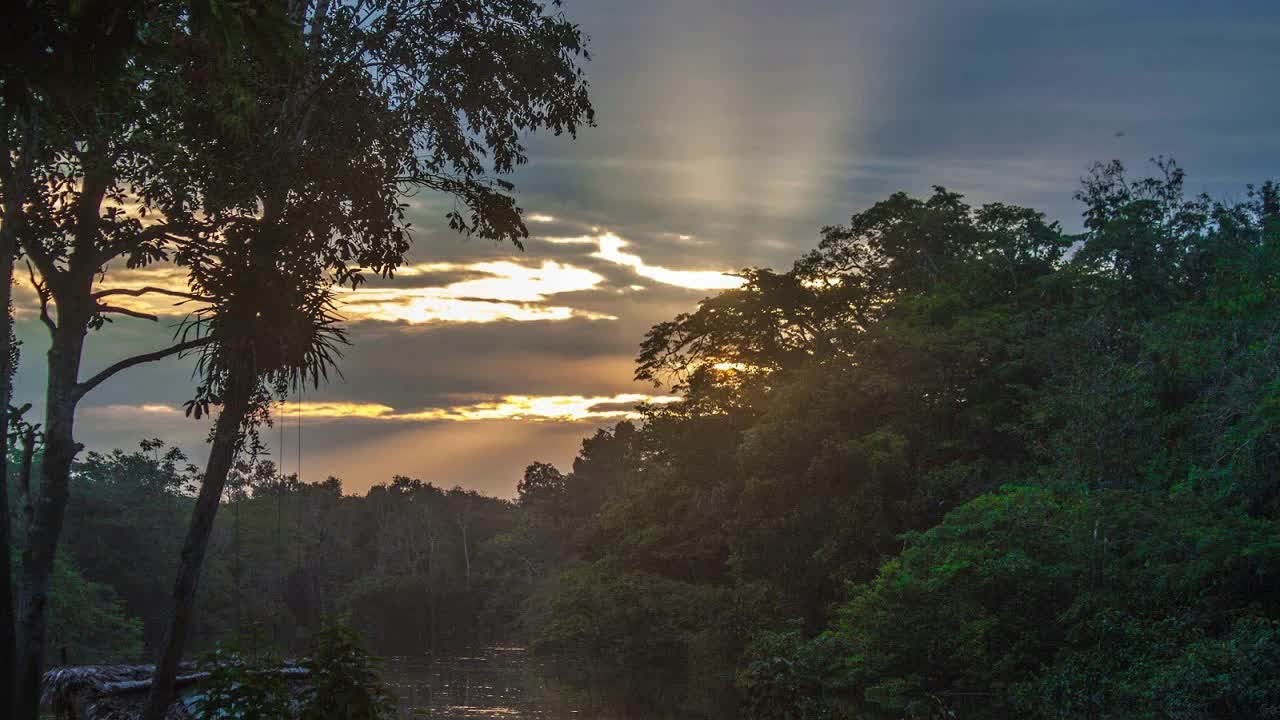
<point>119,692</point>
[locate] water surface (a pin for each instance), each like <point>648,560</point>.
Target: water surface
<point>506,683</point>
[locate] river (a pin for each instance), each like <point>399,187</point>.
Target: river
<point>506,683</point>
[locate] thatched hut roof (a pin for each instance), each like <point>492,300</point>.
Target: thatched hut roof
<point>119,692</point>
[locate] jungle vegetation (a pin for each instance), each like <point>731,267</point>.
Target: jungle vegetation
<point>954,462</point>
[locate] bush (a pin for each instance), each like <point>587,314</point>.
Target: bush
<point>342,683</point>
<point>241,687</point>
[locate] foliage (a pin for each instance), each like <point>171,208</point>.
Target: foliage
<point>847,428</point>
<point>787,677</point>
<point>242,687</point>
<point>953,463</point>
<point>1067,606</point>
<point>624,619</point>
<point>344,681</point>
<point>341,681</point>
<point>88,621</point>
<point>542,484</point>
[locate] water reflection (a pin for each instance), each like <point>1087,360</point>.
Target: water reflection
<point>505,683</point>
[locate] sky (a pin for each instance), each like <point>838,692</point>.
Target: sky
<point>728,133</point>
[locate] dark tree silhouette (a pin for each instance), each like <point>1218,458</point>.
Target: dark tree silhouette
<point>542,484</point>
<point>380,97</point>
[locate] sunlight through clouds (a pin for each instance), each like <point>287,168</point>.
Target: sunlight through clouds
<point>505,291</point>
<point>490,291</point>
<point>537,408</point>
<point>427,305</point>
<point>471,292</point>
<point>543,407</point>
<point>609,247</point>
<point>121,411</point>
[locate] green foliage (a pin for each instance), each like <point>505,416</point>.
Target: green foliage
<point>241,687</point>
<point>623,619</point>
<point>953,463</point>
<point>284,554</point>
<point>788,677</point>
<point>847,428</point>
<point>344,681</point>
<point>110,492</point>
<point>341,681</point>
<point>88,620</point>
<point>542,485</point>
<point>1055,606</point>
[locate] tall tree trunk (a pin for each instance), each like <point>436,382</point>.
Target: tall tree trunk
<point>8,620</point>
<point>238,395</point>
<point>16,179</point>
<point>49,505</point>
<point>235,567</point>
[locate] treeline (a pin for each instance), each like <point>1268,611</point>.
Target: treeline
<point>408,563</point>
<point>954,463</point>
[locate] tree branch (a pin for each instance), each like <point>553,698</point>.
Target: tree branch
<point>151,289</point>
<point>83,388</point>
<point>104,308</point>
<point>43,291</point>
<point>177,232</point>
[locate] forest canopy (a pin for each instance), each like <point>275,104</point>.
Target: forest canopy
<point>955,461</point>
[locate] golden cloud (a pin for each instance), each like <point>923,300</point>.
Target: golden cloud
<point>494,290</point>
<point>126,411</point>
<point>505,290</point>
<point>544,407</point>
<point>609,247</point>
<point>538,408</point>
<point>490,291</point>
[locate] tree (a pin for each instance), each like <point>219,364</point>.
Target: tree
<point>386,95</point>
<point>18,136</point>
<point>542,485</point>
<point>255,342</point>
<point>90,125</point>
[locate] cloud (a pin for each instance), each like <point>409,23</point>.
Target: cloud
<point>479,292</point>
<point>123,410</point>
<point>609,247</point>
<point>483,291</point>
<point>544,407</point>
<point>541,408</point>
<point>498,290</point>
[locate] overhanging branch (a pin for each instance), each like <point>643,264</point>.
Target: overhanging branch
<point>83,388</point>
<point>138,292</point>
<point>104,309</point>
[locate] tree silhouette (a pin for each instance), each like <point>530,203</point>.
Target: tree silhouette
<point>380,97</point>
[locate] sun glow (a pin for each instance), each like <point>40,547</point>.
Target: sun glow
<point>609,247</point>
<point>538,408</point>
<point>489,291</point>
<point>469,292</point>
<point>504,290</point>
<point>544,407</point>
